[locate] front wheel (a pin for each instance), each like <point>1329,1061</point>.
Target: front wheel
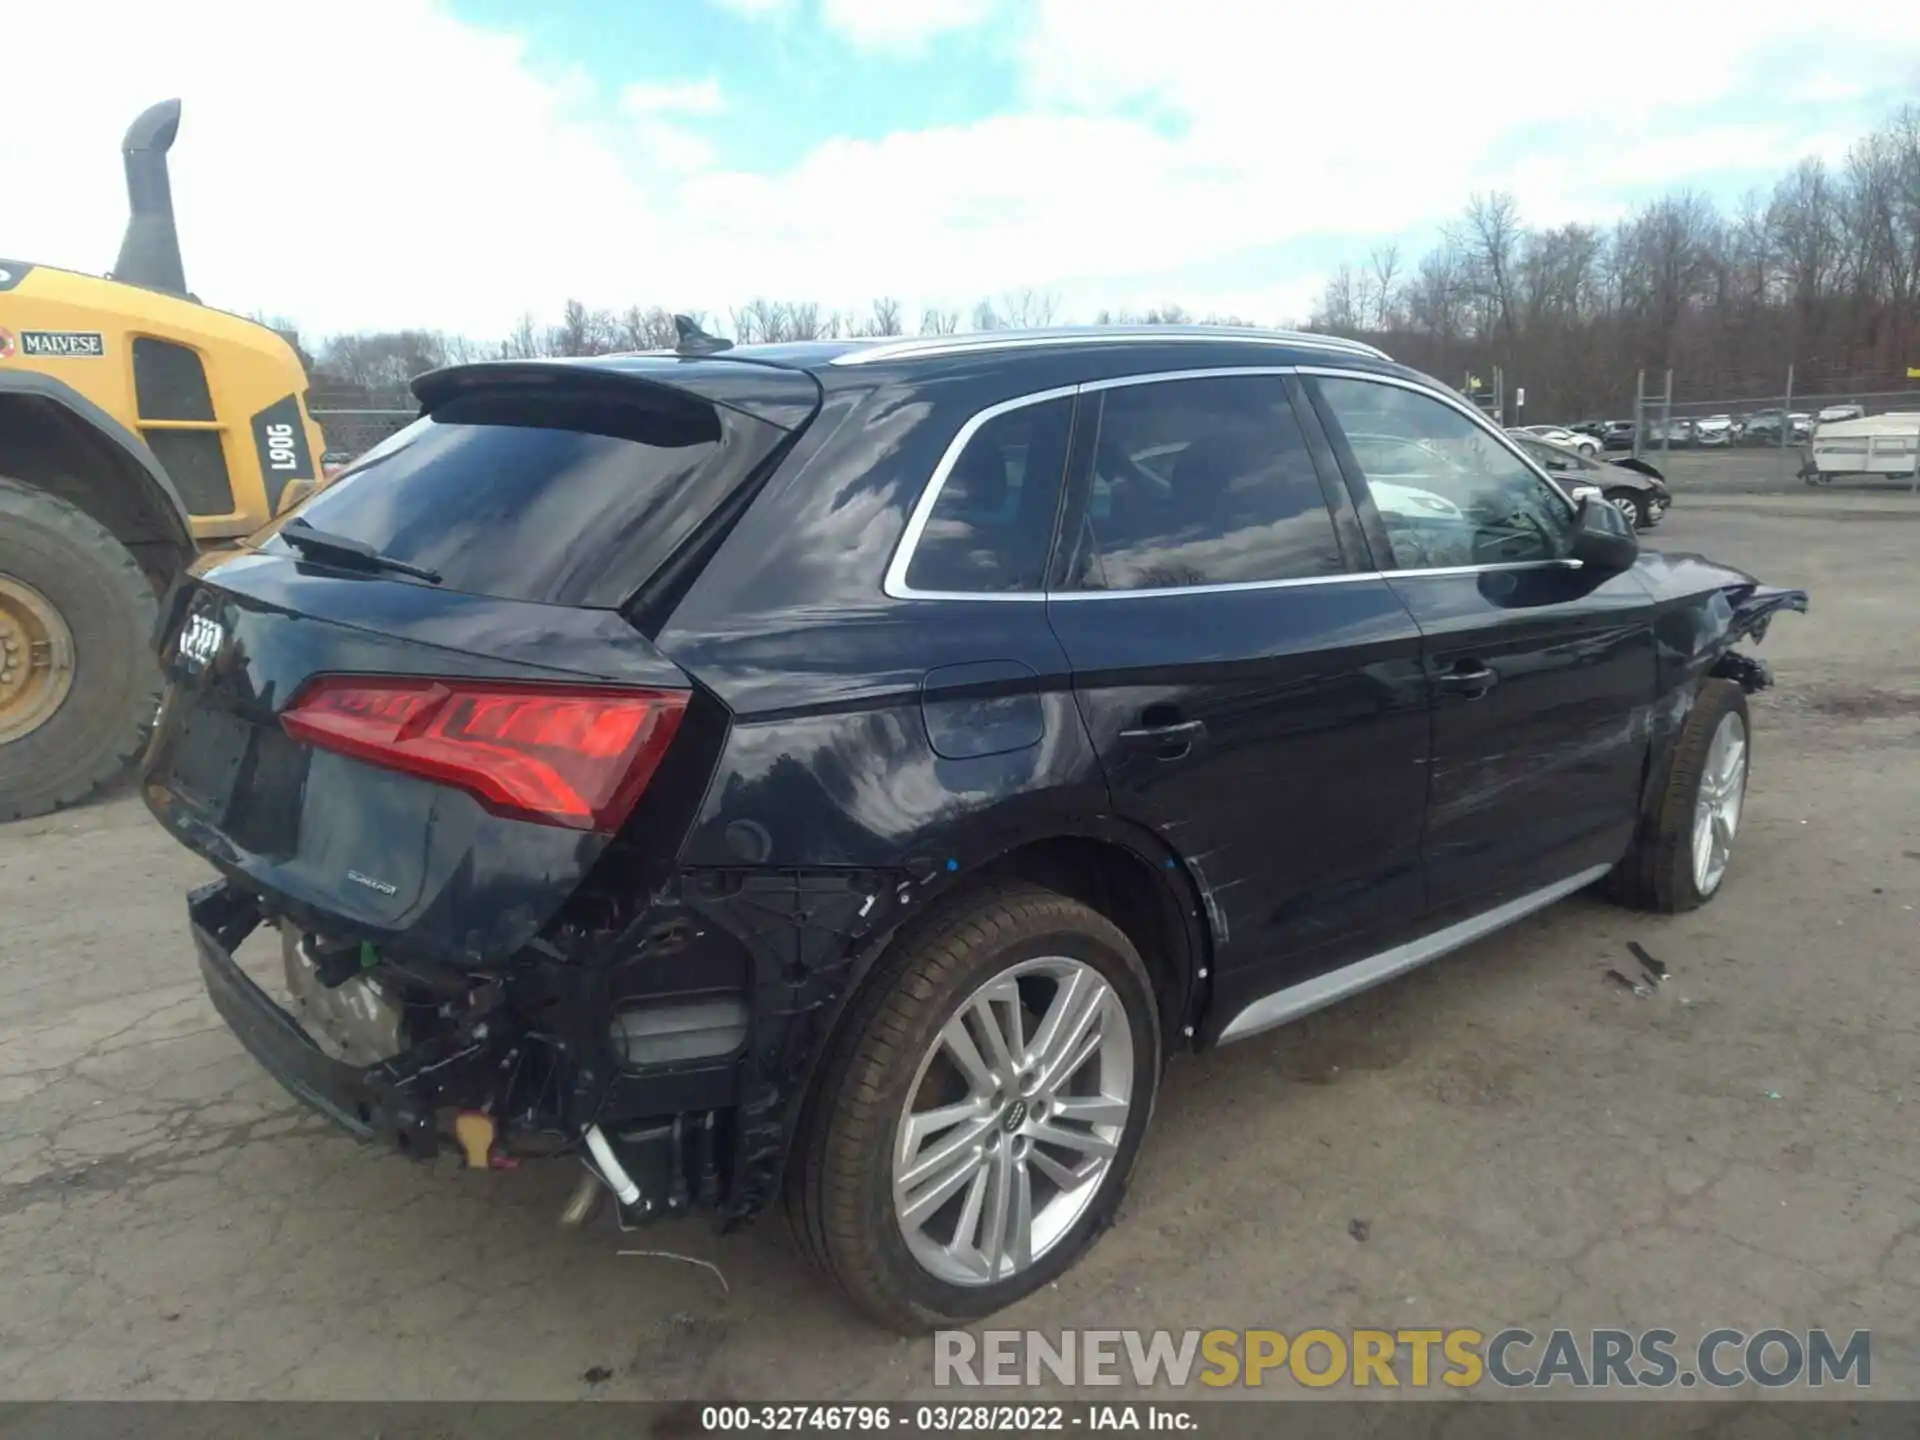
<point>1632,506</point>
<point>1680,858</point>
<point>974,1134</point>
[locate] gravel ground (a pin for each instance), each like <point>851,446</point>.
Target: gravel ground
<point>1528,1141</point>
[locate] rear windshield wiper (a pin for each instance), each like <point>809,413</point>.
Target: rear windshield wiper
<point>345,550</point>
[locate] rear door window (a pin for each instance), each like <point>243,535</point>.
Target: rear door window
<point>1202,482</point>
<point>556,499</point>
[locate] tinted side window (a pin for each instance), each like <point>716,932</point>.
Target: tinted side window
<point>992,525</point>
<point>1202,482</point>
<point>1449,492</point>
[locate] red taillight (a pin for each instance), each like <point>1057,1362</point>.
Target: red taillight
<point>557,754</point>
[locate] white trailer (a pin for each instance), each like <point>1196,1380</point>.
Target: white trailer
<point>1876,445</point>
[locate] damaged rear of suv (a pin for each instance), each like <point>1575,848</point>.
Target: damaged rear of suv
<point>846,773</point>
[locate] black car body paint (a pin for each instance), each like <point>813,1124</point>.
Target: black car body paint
<point>1263,783</point>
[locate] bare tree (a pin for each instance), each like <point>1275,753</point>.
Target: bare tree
<point>582,331</point>
<point>1029,309</point>
<point>886,317</point>
<point>1385,267</point>
<point>649,329</point>
<point>1491,235</point>
<point>985,317</point>
<point>934,321</point>
<point>800,320</point>
<point>1339,307</point>
<point>767,319</point>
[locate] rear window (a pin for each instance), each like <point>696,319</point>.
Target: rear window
<point>546,498</point>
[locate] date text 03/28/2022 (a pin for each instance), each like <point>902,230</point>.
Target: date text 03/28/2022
<point>972,1419</point>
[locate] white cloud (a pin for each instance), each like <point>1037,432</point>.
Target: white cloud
<point>441,177</point>
<point>902,24</point>
<point>678,97</point>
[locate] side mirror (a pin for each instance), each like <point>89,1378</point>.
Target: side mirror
<point>1602,537</point>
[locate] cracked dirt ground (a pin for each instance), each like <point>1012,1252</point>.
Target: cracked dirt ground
<point>1528,1141</point>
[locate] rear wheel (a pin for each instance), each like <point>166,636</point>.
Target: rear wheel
<point>1681,856</point>
<point>975,1134</point>
<point>78,687</point>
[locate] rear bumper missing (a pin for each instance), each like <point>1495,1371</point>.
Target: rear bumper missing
<point>395,1101</point>
<point>571,1034</point>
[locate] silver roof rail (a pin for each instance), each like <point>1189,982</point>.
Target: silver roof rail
<point>929,346</point>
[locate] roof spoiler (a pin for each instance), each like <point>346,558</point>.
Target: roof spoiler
<point>150,250</point>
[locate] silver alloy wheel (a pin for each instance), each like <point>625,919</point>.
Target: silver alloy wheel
<point>1716,808</point>
<point>1628,507</point>
<point>1013,1120</point>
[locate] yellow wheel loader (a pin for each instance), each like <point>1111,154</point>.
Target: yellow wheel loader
<point>136,427</point>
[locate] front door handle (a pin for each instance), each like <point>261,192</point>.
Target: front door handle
<point>1471,678</point>
<point>1167,742</point>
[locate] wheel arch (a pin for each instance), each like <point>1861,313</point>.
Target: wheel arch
<point>54,439</point>
<point>1123,870</point>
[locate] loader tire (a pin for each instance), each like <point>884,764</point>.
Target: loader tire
<point>78,682</point>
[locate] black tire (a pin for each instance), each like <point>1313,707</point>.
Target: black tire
<point>839,1180</point>
<point>1640,517</point>
<point>1657,873</point>
<point>109,609</point>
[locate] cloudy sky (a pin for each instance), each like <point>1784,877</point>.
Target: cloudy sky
<point>454,163</point>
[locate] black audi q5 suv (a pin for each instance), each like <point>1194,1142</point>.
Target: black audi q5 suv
<point>844,774</point>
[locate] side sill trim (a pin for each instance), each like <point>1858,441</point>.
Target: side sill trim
<point>1323,990</point>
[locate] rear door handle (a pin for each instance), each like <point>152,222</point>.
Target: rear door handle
<point>1167,742</point>
<point>1471,678</point>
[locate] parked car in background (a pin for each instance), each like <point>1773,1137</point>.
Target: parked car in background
<point>1834,413</point>
<point>1633,487</point>
<point>1618,436</point>
<point>1560,435</point>
<point>1764,427</point>
<point>1671,434</point>
<point>1713,430</point>
<point>829,774</point>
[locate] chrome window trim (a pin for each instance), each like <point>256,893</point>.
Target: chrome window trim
<point>928,347</point>
<point>895,583</point>
<point>1224,587</point>
<point>1161,377</point>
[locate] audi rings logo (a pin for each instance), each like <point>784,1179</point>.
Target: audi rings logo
<point>6,343</point>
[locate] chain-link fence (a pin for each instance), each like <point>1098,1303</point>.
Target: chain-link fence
<point>352,431</point>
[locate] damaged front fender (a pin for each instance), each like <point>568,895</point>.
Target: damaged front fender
<point>1702,610</point>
